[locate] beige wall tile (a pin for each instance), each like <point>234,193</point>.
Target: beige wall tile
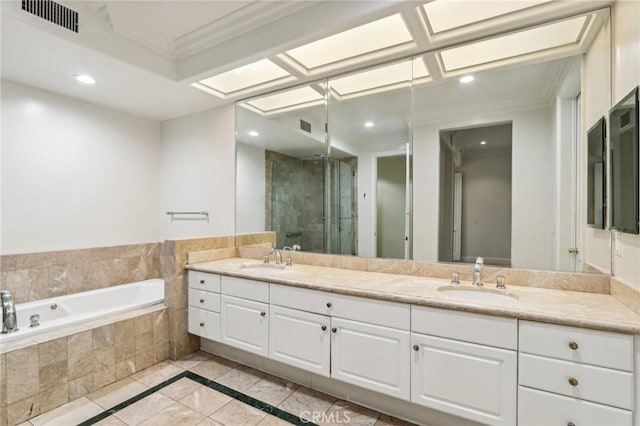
<point>125,339</point>
<point>80,353</point>
<point>80,387</point>
<point>144,359</point>
<point>53,351</point>
<point>35,260</point>
<point>53,396</point>
<point>626,294</point>
<point>104,367</point>
<point>160,327</point>
<point>160,352</point>
<point>8,262</point>
<point>103,336</point>
<point>144,324</point>
<point>144,342</point>
<point>23,409</point>
<point>53,374</point>
<point>22,374</point>
<point>38,283</point>
<point>126,367</point>
<point>17,282</point>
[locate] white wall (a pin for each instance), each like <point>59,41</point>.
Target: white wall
<point>626,76</point>
<point>532,185</point>
<point>197,173</point>
<point>75,175</point>
<point>250,189</point>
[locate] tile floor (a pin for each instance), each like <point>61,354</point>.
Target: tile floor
<point>187,402</point>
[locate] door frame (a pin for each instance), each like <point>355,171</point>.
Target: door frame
<point>374,198</point>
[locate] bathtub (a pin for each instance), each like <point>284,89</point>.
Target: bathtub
<point>86,306</point>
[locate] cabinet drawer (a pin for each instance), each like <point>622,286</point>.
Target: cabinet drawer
<point>597,384</point>
<point>204,300</point>
<point>247,289</point>
<point>204,281</point>
<point>204,323</point>
<point>373,311</point>
<point>612,350</point>
<point>536,408</point>
<point>475,328</point>
<point>472,381</point>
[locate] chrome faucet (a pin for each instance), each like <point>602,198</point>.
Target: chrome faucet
<point>278,256</point>
<point>9,318</point>
<point>477,271</point>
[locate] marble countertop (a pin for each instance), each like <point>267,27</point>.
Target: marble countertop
<point>589,310</point>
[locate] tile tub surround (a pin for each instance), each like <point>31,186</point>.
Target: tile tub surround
<point>173,259</point>
<point>61,368</point>
<point>36,276</point>
<point>571,281</point>
<point>581,309</point>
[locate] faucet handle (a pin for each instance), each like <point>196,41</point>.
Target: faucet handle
<point>265,259</point>
<point>455,278</point>
<point>480,261</point>
<point>501,282</point>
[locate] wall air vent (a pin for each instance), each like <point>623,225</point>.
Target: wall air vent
<point>53,12</point>
<point>305,125</point>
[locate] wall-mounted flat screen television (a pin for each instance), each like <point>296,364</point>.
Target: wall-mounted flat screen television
<point>596,176</point>
<point>623,131</point>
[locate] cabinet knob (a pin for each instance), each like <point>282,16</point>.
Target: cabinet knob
<point>201,324</point>
<point>571,424</point>
<point>416,347</point>
<point>201,281</point>
<point>573,382</point>
<point>324,327</point>
<point>201,300</point>
<point>573,345</point>
<point>334,330</point>
<point>329,304</point>
<point>263,314</point>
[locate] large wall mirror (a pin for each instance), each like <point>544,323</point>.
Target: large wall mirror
<point>432,158</point>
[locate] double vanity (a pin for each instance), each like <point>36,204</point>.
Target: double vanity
<point>523,355</point>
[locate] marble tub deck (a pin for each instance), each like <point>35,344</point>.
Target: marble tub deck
<point>186,402</point>
<point>573,308</point>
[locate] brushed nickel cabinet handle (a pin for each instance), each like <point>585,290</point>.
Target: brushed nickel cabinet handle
<point>329,304</point>
<point>571,424</point>
<point>201,300</point>
<point>334,330</point>
<point>201,281</point>
<point>324,327</point>
<point>263,314</point>
<point>201,324</point>
<point>573,382</point>
<point>416,347</point>
<point>573,345</point>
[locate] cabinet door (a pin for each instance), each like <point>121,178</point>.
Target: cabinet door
<point>245,324</point>
<point>371,356</point>
<point>300,339</point>
<point>465,379</point>
<point>204,323</point>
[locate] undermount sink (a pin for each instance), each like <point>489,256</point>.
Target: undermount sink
<point>262,265</point>
<point>477,293</point>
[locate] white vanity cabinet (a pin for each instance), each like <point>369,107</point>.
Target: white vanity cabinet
<point>574,376</point>
<point>464,364</point>
<point>369,343</point>
<point>204,304</point>
<point>244,312</point>
<point>300,339</point>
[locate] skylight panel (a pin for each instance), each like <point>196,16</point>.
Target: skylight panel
<point>374,36</point>
<point>514,44</point>
<point>388,77</point>
<point>444,15</point>
<point>296,98</point>
<point>254,74</point>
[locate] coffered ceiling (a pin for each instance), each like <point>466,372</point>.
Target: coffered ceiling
<point>147,56</point>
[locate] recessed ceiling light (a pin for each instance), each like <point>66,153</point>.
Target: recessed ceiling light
<point>254,133</point>
<point>372,37</point>
<point>466,79</point>
<point>369,124</point>
<point>483,142</point>
<point>85,79</point>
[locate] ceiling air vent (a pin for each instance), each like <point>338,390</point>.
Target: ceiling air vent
<point>53,12</point>
<point>305,125</point>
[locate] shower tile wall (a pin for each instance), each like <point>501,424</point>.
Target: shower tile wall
<point>294,200</point>
<point>36,276</point>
